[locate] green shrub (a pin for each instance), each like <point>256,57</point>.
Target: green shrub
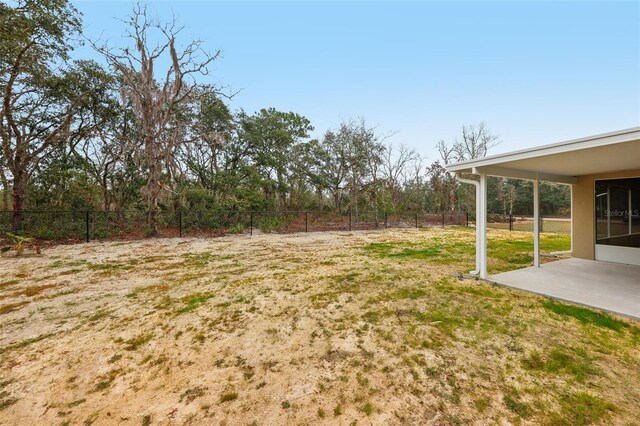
<point>238,228</point>
<point>270,224</point>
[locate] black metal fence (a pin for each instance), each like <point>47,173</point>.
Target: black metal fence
<point>71,226</point>
<point>557,225</point>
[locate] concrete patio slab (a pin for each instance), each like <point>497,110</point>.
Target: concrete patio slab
<point>608,286</point>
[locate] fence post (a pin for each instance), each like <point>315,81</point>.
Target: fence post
<point>349,220</point>
<point>467,214</point>
<point>87,227</point>
<point>510,222</point>
<point>541,223</point>
<point>251,223</point>
<point>416,219</point>
<point>306,221</point>
<point>443,219</point>
<point>385,220</point>
<point>180,222</point>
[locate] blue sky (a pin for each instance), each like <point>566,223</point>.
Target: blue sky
<point>535,72</point>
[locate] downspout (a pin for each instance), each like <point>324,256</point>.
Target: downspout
<point>536,223</point>
<point>478,214</point>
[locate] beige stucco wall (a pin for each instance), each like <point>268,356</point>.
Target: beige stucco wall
<point>582,212</point>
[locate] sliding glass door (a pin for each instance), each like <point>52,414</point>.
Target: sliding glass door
<point>617,210</point>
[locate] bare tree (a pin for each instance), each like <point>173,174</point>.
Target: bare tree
<point>445,150</point>
<point>156,97</point>
<point>395,164</point>
<point>475,142</point>
<point>415,190</point>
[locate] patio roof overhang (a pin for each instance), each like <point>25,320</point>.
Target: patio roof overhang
<point>560,162</point>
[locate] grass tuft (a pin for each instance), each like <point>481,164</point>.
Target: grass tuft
<point>581,409</point>
<point>514,404</point>
<point>367,409</point>
<point>135,342</point>
<point>337,411</point>
<point>585,315</point>
<point>228,396</point>
<point>190,394</point>
<point>574,362</point>
<point>192,302</point>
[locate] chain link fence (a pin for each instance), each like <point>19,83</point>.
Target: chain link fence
<point>77,226</point>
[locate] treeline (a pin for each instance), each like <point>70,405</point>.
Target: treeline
<point>143,130</point>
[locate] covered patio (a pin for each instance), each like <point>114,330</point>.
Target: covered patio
<point>604,174</point>
<point>604,285</point>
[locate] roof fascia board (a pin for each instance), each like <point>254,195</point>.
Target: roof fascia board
<point>524,174</point>
<point>558,148</point>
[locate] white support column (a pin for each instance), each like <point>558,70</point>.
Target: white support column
<point>536,224</point>
<point>481,222</point>
<point>476,185</point>
<point>572,216</point>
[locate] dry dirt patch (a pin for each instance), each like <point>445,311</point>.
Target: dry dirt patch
<point>326,328</point>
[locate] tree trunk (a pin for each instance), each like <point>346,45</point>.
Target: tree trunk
<point>106,200</point>
<point>177,208</point>
<point>375,200</point>
<point>336,199</point>
<point>20,186</point>
<point>153,188</point>
<point>6,195</point>
<point>106,194</point>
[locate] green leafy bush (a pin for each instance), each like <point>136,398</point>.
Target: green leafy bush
<point>238,228</point>
<point>18,243</point>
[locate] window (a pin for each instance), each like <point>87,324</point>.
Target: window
<point>618,212</point>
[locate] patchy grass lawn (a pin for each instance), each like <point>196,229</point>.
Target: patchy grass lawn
<point>320,328</point>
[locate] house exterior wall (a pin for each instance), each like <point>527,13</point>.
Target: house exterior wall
<point>583,212</point>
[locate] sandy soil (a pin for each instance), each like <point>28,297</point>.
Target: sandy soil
<point>280,329</point>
